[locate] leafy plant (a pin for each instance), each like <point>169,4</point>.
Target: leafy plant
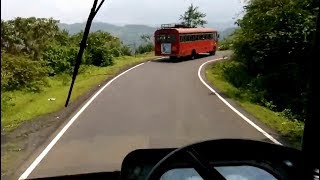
<point>29,36</point>
<point>144,48</point>
<point>273,45</point>
<point>34,48</point>
<point>60,58</point>
<point>193,17</point>
<point>18,72</point>
<point>100,56</point>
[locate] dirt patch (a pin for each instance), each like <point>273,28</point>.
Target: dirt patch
<point>17,146</point>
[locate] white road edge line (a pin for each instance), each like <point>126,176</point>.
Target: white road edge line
<point>65,128</point>
<point>232,108</point>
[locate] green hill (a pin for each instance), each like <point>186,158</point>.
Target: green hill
<point>227,32</point>
<point>130,34</point>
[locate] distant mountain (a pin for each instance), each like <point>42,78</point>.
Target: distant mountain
<point>221,26</point>
<point>130,34</point>
<point>227,32</point>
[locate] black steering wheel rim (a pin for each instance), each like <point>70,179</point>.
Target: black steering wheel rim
<point>238,150</point>
<point>195,160</point>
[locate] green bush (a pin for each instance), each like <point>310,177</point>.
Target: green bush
<point>60,59</point>
<point>28,36</point>
<point>125,50</point>
<point>247,87</point>
<point>34,48</point>
<point>19,72</point>
<point>273,44</point>
<point>144,48</point>
<point>226,44</point>
<point>102,48</point>
<point>100,56</point>
<point>235,73</point>
<point>116,52</point>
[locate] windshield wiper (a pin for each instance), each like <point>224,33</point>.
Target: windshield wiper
<point>83,45</point>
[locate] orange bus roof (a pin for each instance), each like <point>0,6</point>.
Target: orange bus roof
<point>186,30</point>
<point>194,30</point>
<point>191,30</point>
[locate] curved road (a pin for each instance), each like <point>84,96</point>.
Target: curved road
<point>158,104</point>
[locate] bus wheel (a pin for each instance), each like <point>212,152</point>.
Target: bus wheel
<point>212,53</point>
<point>173,57</point>
<point>193,54</point>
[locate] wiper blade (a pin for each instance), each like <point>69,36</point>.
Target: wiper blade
<point>83,45</point>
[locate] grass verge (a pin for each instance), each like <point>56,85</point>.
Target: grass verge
<point>25,106</point>
<point>7,158</point>
<point>290,130</point>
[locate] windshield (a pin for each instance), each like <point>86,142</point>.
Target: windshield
<point>230,173</point>
<point>83,83</point>
<point>165,38</point>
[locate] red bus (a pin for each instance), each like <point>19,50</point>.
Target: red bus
<point>178,41</point>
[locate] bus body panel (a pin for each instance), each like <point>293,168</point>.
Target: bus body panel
<point>205,46</point>
<point>183,41</point>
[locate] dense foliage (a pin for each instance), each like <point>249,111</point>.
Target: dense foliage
<point>146,45</point>
<point>272,48</point>
<point>33,49</point>
<point>226,43</point>
<point>34,46</point>
<point>193,17</point>
<point>21,72</point>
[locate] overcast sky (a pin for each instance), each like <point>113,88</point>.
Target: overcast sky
<point>119,12</point>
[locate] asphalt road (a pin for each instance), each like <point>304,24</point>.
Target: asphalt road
<point>156,105</point>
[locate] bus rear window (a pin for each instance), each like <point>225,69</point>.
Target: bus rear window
<point>165,38</point>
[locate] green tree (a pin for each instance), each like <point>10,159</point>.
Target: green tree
<point>145,38</point>
<point>144,48</point>
<point>193,17</point>
<point>60,59</point>
<point>33,48</point>
<point>28,35</point>
<point>271,47</point>
<point>63,38</point>
<point>9,39</point>
<point>146,45</point>
<point>18,72</point>
<point>99,48</point>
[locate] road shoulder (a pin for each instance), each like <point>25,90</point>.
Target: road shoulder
<point>238,107</point>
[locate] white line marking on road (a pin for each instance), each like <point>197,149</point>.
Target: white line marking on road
<point>65,128</point>
<point>232,108</point>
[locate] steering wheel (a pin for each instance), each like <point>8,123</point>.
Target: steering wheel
<point>190,156</point>
<point>260,154</point>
